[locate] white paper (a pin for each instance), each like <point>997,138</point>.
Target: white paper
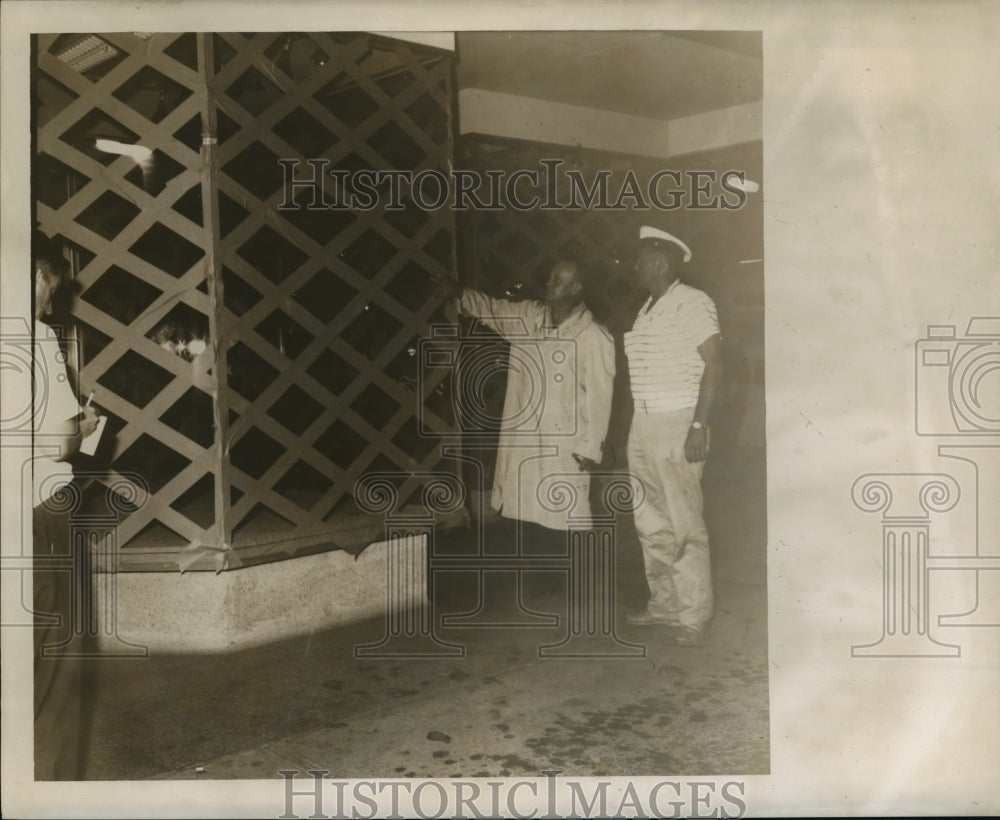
<point>88,446</point>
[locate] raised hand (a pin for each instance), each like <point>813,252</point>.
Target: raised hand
<point>88,421</point>
<point>445,285</point>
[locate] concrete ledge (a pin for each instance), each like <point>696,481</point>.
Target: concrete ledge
<point>208,612</point>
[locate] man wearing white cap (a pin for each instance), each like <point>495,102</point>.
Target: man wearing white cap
<point>674,353</point>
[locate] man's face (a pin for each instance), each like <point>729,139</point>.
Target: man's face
<point>45,288</point>
<point>562,284</point>
<point>649,266</point>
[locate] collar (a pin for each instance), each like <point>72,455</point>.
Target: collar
<point>576,314</point>
<point>650,302</point>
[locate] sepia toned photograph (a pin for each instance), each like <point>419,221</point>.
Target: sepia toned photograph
<point>429,378</point>
<point>499,412</point>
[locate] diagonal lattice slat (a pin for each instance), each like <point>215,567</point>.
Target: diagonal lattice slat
<point>180,249</point>
<point>112,246</point>
<point>320,255</point>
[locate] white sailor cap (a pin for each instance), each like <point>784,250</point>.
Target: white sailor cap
<point>649,232</point>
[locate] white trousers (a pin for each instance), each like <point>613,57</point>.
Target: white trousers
<point>669,517</point>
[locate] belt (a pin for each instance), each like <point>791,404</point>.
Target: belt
<point>644,406</point>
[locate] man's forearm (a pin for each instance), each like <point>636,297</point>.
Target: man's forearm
<point>709,389</point>
<point>71,437</point>
<point>460,301</point>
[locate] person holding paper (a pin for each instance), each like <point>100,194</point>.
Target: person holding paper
<point>60,425</point>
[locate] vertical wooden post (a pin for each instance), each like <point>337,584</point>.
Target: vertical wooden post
<point>213,272</point>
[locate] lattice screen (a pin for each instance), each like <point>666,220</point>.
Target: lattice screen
<point>512,250</point>
<point>254,361</point>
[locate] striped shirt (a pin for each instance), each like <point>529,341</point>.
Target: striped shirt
<point>665,367</point>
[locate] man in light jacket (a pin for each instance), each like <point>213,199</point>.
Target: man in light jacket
<point>560,375</point>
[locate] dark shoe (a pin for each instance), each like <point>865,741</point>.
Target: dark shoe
<point>647,618</point>
<point>690,635</point>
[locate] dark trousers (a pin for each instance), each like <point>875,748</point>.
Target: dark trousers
<point>539,540</point>
<point>58,679</point>
<point>506,533</point>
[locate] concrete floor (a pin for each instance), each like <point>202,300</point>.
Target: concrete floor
<point>308,703</point>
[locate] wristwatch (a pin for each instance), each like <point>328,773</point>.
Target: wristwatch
<point>697,425</point>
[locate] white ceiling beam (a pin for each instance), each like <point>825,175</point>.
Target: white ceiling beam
<point>437,39</point>
<point>715,129</point>
<point>529,118</point>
